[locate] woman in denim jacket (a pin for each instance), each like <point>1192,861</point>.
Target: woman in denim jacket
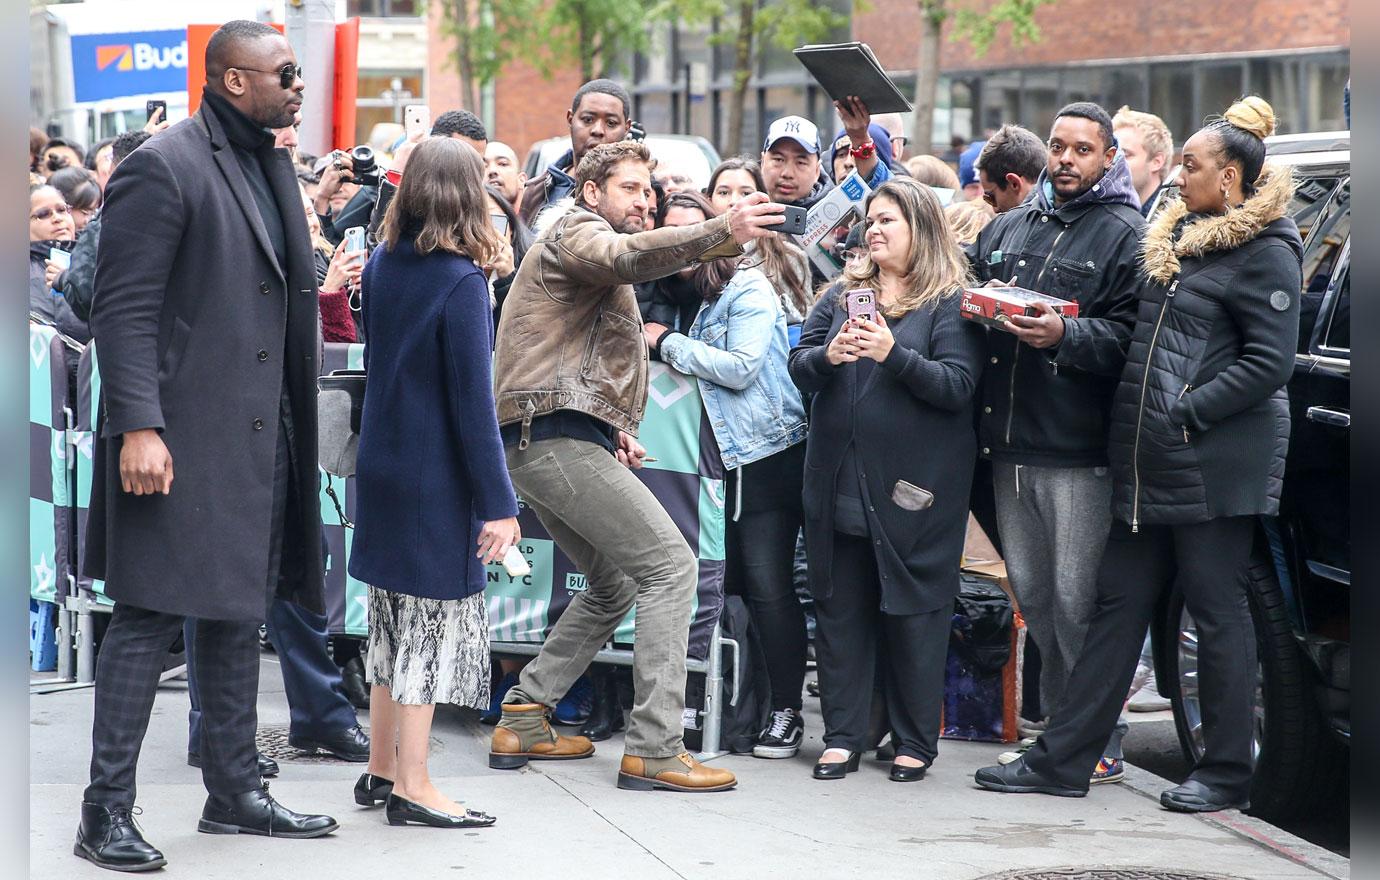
<point>737,348</point>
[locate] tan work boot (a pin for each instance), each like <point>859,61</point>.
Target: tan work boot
<point>524,734</point>
<point>680,773</point>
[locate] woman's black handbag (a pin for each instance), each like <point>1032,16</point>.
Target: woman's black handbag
<point>339,403</point>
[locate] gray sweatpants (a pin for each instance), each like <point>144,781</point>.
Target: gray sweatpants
<point>1054,524</point>
<point>611,526</point>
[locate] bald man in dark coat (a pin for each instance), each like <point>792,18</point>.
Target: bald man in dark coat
<point>205,499</point>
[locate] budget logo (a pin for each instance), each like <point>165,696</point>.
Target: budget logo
<point>141,57</point>
<point>121,56</point>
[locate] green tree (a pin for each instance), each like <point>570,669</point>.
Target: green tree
<point>597,33</point>
<point>978,29</point>
<point>750,25</point>
<point>487,34</point>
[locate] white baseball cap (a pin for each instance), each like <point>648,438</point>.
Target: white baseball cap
<point>798,129</point>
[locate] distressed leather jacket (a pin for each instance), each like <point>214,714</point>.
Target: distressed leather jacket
<point>570,336</point>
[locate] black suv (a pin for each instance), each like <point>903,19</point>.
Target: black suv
<point>1300,578</point>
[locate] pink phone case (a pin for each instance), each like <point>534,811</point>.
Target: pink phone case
<point>862,303</point>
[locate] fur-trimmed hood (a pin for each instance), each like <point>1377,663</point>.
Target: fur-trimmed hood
<point>1174,233</point>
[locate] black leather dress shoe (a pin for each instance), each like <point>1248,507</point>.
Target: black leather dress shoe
<point>838,769</point>
<point>350,744</point>
<point>371,790</point>
<point>401,811</point>
<point>903,773</point>
<point>1195,797</point>
<point>256,812</point>
<point>1017,778</point>
<point>108,838</point>
<point>268,768</point>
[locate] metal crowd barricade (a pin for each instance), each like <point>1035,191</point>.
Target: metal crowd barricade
<point>51,482</point>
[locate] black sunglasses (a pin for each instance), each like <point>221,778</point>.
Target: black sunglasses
<point>287,74</point>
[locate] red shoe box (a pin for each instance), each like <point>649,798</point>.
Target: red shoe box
<point>996,305</point>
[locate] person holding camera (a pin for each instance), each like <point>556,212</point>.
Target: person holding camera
<point>893,368</point>
<point>348,191</point>
<point>570,441</point>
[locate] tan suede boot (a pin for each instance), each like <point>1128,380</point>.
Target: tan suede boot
<point>524,734</point>
<point>680,773</point>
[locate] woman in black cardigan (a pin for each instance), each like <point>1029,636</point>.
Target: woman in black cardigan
<point>1200,427</point>
<point>888,463</point>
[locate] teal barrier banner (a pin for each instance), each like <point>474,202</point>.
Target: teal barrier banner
<point>50,503</point>
<point>687,479</point>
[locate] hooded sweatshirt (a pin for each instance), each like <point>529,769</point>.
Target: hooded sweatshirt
<point>1039,409</point>
<point>881,140</point>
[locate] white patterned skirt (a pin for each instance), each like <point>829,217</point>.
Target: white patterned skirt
<point>428,651</point>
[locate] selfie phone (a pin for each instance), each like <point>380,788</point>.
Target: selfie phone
<point>150,106</point>
<point>416,120</point>
<point>792,223</point>
<point>500,223</point>
<point>354,239</point>
<point>862,304</point>
<point>61,257</point>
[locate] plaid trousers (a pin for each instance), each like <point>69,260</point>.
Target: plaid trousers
<point>132,657</point>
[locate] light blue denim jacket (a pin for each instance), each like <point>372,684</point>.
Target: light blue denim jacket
<point>737,349</point>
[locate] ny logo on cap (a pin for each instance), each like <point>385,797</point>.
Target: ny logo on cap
<point>793,127</point>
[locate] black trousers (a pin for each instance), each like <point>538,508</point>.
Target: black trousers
<point>759,550</point>
<point>848,627</point>
<point>1209,561</point>
<point>132,656</point>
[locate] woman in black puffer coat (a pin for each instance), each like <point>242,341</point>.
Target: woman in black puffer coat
<point>1200,428</point>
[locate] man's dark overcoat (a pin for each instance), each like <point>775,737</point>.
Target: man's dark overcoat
<point>199,332</point>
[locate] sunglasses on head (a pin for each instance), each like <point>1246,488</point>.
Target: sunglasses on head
<point>287,74</point>
<point>45,213</point>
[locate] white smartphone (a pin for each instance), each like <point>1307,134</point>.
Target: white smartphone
<point>516,564</point>
<point>416,120</point>
<point>500,223</point>
<point>61,257</point>
<point>354,240</point>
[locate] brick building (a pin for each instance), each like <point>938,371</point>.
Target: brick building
<point>1183,63</point>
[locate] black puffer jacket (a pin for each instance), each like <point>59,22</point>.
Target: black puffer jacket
<point>1200,422</point>
<point>1046,407</point>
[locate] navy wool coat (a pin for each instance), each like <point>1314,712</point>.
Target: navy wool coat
<point>430,470</point>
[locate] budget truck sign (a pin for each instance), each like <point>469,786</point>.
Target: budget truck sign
<point>134,63</point>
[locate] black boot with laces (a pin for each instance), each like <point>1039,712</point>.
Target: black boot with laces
<point>782,736</point>
<point>109,839</point>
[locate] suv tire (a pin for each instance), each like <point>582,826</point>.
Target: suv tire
<point>1299,766</point>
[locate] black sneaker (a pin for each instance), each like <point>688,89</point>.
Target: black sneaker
<point>782,736</point>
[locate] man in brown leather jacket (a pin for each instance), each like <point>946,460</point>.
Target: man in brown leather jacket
<point>570,370</point>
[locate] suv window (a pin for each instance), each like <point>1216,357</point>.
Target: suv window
<point>1325,224</point>
<point>1338,337</point>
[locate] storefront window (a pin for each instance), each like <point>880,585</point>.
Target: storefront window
<point>1171,98</point>
<point>1219,86</point>
<point>1039,100</point>
<point>383,8</point>
<point>1324,80</point>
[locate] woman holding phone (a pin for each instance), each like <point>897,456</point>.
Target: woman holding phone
<point>434,502</point>
<point>889,458</point>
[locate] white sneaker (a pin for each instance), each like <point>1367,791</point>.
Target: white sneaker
<point>1147,700</point>
<point>1008,757</point>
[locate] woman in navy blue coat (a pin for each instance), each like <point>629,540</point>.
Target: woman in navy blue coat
<point>434,502</point>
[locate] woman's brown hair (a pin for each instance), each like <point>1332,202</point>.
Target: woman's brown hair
<point>936,268</point>
<point>441,203</point>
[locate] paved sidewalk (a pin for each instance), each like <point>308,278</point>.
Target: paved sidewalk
<point>568,820</point>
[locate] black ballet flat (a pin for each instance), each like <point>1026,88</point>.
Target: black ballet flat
<point>401,811</point>
<point>902,773</point>
<point>838,769</point>
<point>372,790</point>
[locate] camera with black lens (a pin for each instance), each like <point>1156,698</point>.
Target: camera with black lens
<point>366,168</point>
